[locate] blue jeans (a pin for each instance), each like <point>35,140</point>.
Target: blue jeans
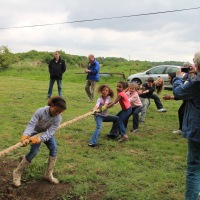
<point>51,145</point>
<point>99,119</point>
<point>51,83</point>
<point>135,112</point>
<point>123,115</point>
<point>193,171</point>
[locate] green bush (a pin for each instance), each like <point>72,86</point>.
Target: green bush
<point>47,58</point>
<point>6,58</point>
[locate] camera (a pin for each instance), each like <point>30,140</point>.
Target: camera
<point>186,69</point>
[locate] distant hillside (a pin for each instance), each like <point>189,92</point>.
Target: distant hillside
<point>44,57</point>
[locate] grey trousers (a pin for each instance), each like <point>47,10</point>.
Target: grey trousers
<point>145,105</point>
<point>89,88</point>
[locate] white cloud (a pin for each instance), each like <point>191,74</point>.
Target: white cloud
<point>170,36</point>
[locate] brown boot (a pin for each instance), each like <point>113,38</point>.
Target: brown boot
<point>17,173</point>
<point>49,170</point>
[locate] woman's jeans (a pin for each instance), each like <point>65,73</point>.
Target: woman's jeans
<point>51,83</point>
<point>99,120</point>
<point>135,112</point>
<point>193,171</point>
<point>51,145</point>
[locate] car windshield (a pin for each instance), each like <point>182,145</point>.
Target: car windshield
<point>171,70</point>
<point>156,70</point>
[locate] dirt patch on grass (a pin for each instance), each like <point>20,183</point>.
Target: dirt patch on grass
<point>30,189</point>
<point>36,189</point>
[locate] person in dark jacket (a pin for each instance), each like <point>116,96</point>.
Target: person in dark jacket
<point>145,92</point>
<point>92,77</point>
<point>56,69</point>
<point>190,93</point>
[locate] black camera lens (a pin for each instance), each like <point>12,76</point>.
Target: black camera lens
<point>185,69</point>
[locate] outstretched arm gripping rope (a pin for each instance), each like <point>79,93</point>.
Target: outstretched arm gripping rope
<point>65,124</point>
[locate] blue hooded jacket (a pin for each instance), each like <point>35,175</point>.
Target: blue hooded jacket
<point>94,68</point>
<point>190,92</point>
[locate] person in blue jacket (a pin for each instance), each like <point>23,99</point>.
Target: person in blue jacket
<point>190,93</point>
<point>92,77</point>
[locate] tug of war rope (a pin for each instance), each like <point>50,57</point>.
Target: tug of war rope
<point>65,124</point>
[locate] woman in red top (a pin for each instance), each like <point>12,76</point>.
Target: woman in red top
<point>126,108</point>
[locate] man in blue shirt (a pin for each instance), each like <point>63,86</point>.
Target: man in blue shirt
<point>92,77</point>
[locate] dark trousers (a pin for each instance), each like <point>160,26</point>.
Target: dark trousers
<point>157,101</point>
<point>123,115</point>
<point>51,83</point>
<point>135,112</point>
<point>181,114</point>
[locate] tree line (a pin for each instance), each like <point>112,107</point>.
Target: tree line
<point>7,58</point>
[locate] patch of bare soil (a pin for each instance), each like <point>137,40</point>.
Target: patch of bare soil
<point>36,189</point>
<point>29,190</point>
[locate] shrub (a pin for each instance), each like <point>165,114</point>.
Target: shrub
<point>6,58</point>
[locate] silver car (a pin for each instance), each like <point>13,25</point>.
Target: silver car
<point>160,71</point>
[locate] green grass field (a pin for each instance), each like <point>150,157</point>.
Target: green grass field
<point>151,165</point>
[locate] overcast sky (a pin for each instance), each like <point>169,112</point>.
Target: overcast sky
<point>157,37</point>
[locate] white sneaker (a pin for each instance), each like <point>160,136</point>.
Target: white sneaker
<point>134,131</point>
<point>177,132</point>
<point>162,110</point>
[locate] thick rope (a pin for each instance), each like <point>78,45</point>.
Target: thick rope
<point>9,149</point>
<point>65,124</point>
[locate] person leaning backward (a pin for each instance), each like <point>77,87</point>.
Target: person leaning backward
<point>56,69</point>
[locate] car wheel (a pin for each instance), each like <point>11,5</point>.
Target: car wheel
<point>137,80</point>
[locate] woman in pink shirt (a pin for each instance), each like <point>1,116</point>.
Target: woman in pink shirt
<point>126,108</point>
